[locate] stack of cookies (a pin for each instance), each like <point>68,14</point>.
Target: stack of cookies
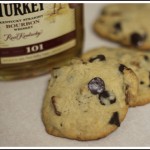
<point>89,98</point>
<point>138,61</point>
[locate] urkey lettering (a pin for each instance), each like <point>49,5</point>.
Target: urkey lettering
<point>19,9</point>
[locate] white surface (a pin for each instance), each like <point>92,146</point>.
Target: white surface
<point>21,102</point>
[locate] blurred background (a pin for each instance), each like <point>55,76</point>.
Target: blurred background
<point>92,40</point>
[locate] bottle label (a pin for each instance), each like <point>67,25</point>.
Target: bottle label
<point>34,31</point>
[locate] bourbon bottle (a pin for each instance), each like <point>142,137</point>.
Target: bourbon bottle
<point>36,37</point>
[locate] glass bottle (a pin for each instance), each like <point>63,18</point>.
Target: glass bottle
<point>36,37</point>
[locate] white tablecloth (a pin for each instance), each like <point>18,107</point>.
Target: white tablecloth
<point>21,102</point>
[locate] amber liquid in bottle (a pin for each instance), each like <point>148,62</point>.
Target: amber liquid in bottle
<point>44,65</point>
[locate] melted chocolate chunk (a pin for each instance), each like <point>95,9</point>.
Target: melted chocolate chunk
<point>112,101</point>
<point>146,58</point>
<point>99,57</point>
<point>137,39</point>
<point>55,68</point>
<point>115,119</point>
<point>105,94</point>
<point>141,82</point>
<point>96,85</point>
<point>122,68</point>
<point>117,26</point>
<point>127,95</point>
<point>56,77</point>
<point>53,99</point>
<point>107,98</point>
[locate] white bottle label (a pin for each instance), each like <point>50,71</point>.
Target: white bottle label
<point>32,31</point>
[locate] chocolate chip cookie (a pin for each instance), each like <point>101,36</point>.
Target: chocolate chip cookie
<point>138,61</point>
<point>125,23</point>
<point>88,100</point>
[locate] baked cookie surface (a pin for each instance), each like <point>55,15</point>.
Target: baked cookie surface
<point>127,24</point>
<point>88,101</point>
<point>138,61</point>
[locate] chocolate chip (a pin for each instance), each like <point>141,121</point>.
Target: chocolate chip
<point>99,57</point>
<point>53,100</point>
<point>122,68</point>
<point>105,94</point>
<point>141,82</point>
<point>115,119</point>
<point>56,76</point>
<point>55,68</point>
<point>137,39</point>
<point>96,85</point>
<point>113,101</point>
<point>127,94</point>
<point>107,98</point>
<point>118,27</point>
<point>146,57</point>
